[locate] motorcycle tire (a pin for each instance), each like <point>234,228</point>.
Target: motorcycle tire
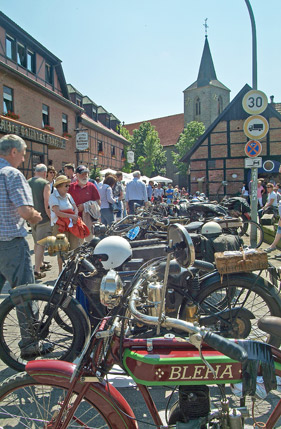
<point>34,405</point>
<point>253,300</point>
<point>56,342</point>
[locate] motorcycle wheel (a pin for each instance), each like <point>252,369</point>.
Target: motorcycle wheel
<point>255,300</point>
<point>64,345</point>
<point>26,403</point>
<point>245,232</point>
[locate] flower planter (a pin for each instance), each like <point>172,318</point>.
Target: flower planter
<point>49,128</point>
<point>67,135</point>
<point>12,115</point>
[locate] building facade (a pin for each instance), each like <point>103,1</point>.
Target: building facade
<point>217,159</point>
<point>37,106</point>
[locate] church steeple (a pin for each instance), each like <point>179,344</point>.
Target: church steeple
<point>207,71</point>
<point>205,98</point>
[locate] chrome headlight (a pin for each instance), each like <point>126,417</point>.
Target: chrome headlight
<point>111,289</point>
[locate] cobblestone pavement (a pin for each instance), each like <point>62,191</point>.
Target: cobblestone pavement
<point>127,387</point>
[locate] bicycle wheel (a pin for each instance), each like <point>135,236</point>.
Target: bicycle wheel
<point>245,232</point>
<point>24,403</point>
<point>218,301</point>
<point>64,345</point>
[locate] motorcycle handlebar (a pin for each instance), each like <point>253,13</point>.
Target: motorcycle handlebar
<point>225,346</point>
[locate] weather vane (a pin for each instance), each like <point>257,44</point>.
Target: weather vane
<point>206,27</point>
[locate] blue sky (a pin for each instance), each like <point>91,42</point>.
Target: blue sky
<point>136,57</point>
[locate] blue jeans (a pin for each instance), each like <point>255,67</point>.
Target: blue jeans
<point>16,268</point>
<point>15,263</point>
<point>132,205</point>
<point>107,216</point>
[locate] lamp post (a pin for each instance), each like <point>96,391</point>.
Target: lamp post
<point>95,163</point>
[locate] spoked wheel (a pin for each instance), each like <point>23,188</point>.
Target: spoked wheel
<point>245,232</point>
<point>55,342</point>
<point>233,309</point>
<point>26,404</point>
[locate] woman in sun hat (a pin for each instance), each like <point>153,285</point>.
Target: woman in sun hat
<point>61,201</point>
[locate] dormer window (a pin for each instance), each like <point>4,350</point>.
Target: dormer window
<point>107,121</point>
<point>78,101</point>
<point>49,73</point>
<point>94,113</point>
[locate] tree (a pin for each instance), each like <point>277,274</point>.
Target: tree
<point>150,157</point>
<point>186,140</point>
<point>125,133</point>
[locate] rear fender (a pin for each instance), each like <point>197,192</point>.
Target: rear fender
<point>103,395</point>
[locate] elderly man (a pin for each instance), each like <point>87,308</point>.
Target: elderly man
<point>136,193</point>
<point>16,206</point>
<point>41,193</point>
<point>84,194</point>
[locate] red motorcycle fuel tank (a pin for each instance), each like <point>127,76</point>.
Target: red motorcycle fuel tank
<point>158,365</point>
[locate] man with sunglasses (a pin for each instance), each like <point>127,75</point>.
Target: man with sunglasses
<point>271,205</point>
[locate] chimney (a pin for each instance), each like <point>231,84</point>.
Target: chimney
<point>272,99</point>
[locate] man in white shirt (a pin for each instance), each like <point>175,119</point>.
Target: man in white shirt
<point>271,205</point>
<point>136,193</point>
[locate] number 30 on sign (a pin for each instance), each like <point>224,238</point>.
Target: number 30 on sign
<point>254,102</point>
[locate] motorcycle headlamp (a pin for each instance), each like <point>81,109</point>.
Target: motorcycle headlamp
<point>111,289</point>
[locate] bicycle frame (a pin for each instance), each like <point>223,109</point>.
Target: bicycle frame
<point>150,362</point>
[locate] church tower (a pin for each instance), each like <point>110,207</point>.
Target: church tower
<point>207,97</point>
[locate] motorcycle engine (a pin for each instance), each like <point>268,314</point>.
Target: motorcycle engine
<point>111,289</point>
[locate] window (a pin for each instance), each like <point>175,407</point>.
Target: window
<point>94,111</point>
<point>211,163</point>
<point>11,48</point>
<point>48,73</point>
<point>64,123</point>
<point>100,146</point>
<point>21,57</point>
<point>112,150</point>
<point>78,101</point>
<point>7,99</point>
<point>45,115</point>
<point>31,61</point>
<point>197,106</point>
<point>220,106</point>
<point>107,121</point>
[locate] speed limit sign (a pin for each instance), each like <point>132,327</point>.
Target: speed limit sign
<point>254,102</point>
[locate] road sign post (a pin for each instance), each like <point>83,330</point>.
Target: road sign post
<point>255,126</point>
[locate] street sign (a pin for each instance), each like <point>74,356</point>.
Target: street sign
<point>256,127</point>
<point>130,156</point>
<point>254,102</point>
<point>253,162</point>
<point>82,141</point>
<point>253,148</point>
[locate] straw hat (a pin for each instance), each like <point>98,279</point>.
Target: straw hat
<point>61,179</point>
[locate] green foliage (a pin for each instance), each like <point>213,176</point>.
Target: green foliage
<point>150,158</point>
<point>94,172</point>
<point>125,133</point>
<point>186,140</point>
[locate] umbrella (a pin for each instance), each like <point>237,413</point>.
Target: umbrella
<point>161,179</point>
<point>107,170</point>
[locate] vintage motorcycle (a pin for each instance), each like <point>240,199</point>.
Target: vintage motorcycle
<point>56,394</point>
<point>230,305</point>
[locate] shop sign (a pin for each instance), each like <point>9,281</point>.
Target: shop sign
<point>130,156</point>
<point>82,140</point>
<point>8,126</point>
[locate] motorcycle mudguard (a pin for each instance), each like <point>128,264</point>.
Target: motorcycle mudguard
<point>104,396</point>
<point>250,278</point>
<point>225,314</point>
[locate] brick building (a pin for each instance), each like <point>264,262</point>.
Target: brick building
<point>38,107</point>
<point>217,158</point>
<point>169,129</point>
<point>106,145</point>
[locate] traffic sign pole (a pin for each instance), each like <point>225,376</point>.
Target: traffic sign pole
<point>254,205</point>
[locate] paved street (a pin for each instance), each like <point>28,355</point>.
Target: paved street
<point>127,387</point>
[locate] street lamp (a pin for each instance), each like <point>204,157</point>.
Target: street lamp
<point>95,163</point>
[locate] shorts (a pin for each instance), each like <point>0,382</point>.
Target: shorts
<point>41,230</point>
<point>73,240</point>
